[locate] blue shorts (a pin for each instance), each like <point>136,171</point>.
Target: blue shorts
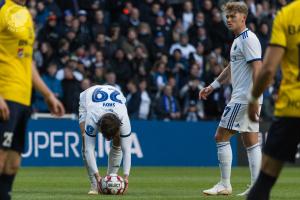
<point>12,132</point>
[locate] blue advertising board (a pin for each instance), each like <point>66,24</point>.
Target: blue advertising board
<point>57,142</point>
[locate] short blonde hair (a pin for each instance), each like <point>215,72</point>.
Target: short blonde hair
<point>236,7</point>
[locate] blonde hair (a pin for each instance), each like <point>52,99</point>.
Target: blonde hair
<point>236,7</point>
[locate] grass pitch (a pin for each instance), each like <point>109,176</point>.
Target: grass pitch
<point>150,183</point>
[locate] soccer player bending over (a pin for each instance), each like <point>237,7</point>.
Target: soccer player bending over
<point>102,109</point>
<point>284,134</point>
<point>245,62</point>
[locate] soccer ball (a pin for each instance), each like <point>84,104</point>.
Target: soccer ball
<point>112,184</point>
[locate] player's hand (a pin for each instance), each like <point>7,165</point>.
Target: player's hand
<point>203,94</point>
<point>55,106</point>
<point>4,110</point>
<point>253,108</point>
<point>99,185</point>
<point>126,184</point>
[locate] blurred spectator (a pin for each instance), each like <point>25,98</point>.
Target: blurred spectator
<point>167,106</point>
<point>50,32</point>
<point>145,105</point>
<point>133,100</point>
<point>160,76</point>
<point>263,36</point>
<point>159,47</point>
<point>110,79</point>
<point>144,34</point>
<point>98,78</point>
<point>99,26</point>
<point>71,90</point>
<point>187,15</point>
<point>121,67</point>
<point>131,43</point>
<point>84,34</point>
<point>192,107</point>
<point>184,46</point>
<point>53,84</point>
<point>42,14</point>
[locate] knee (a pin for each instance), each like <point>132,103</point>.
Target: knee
<point>1,166</point>
<point>2,161</point>
<point>221,138</point>
<point>11,167</point>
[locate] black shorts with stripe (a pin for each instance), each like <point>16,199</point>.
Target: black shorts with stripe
<point>283,139</point>
<point>12,131</point>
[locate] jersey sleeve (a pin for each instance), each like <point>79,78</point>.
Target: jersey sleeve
<point>90,126</point>
<point>82,107</point>
<point>278,36</point>
<point>251,49</point>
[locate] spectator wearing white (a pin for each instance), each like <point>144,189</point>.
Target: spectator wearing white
<point>187,15</point>
<point>184,46</point>
<point>145,104</point>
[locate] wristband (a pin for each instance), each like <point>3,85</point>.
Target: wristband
<point>216,84</point>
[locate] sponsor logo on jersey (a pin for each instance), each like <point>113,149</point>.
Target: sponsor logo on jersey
<point>20,52</point>
<point>293,29</point>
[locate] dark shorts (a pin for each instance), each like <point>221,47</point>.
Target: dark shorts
<point>283,139</point>
<point>12,132</point>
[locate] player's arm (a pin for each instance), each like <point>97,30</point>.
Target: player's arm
<point>272,60</point>
<point>256,67</point>
<point>223,78</point>
<point>274,54</point>
<point>53,103</point>
<point>4,110</point>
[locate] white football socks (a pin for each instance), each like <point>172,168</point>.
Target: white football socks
<point>254,159</point>
<point>114,160</point>
<point>91,176</point>
<point>225,160</point>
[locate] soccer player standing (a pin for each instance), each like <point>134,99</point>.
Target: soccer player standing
<point>17,76</point>
<point>102,109</point>
<point>245,62</point>
<point>284,134</point>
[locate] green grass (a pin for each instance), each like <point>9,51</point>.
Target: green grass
<point>151,183</point>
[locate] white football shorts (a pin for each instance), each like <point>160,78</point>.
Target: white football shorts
<point>235,117</point>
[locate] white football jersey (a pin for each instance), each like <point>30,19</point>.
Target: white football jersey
<point>245,49</point>
<point>99,100</point>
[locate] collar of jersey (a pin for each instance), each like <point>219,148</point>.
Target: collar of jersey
<point>241,33</point>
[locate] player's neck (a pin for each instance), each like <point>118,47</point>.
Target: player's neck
<point>239,30</point>
<point>20,2</point>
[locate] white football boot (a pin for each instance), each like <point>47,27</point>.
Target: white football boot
<point>246,192</point>
<point>219,189</point>
<point>93,190</point>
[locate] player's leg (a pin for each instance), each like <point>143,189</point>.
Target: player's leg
<point>253,147</point>
<point>281,146</point>
<point>125,143</point>
<point>92,179</point>
<point>114,156</point>
<point>12,139</point>
<point>11,166</point>
<point>89,144</point>
<point>224,152</point>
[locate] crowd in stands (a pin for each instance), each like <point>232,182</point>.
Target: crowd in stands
<point>160,53</point>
